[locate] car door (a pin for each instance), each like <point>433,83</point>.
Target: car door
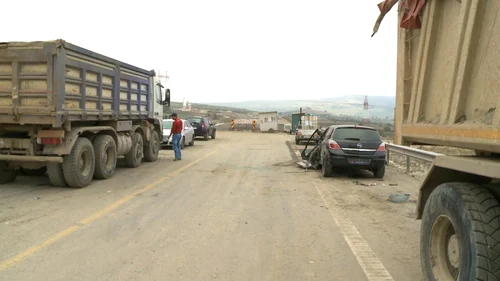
<point>189,132</point>
<point>324,142</point>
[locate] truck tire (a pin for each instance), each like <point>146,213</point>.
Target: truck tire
<point>56,175</point>
<point>7,174</point>
<point>379,173</point>
<point>34,172</point>
<point>79,165</point>
<point>460,234</point>
<point>105,156</point>
<point>152,150</point>
<point>326,169</point>
<point>134,157</point>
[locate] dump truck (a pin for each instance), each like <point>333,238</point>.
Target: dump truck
<point>447,94</point>
<point>71,113</point>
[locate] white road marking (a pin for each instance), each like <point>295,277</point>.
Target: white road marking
<point>369,262</point>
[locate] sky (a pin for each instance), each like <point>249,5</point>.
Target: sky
<point>228,50</point>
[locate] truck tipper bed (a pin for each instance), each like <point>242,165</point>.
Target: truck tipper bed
<point>448,94</point>
<point>72,112</point>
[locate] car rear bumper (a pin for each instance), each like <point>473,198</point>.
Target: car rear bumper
<point>199,132</point>
<point>368,162</point>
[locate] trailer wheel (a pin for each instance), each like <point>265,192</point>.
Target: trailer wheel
<point>135,155</point>
<point>7,174</point>
<point>56,175</point>
<point>153,148</point>
<point>459,234</point>
<point>105,156</point>
<point>79,165</point>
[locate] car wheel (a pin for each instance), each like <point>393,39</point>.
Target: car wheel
<point>297,142</point>
<point>206,135</point>
<point>213,135</point>
<point>192,141</point>
<point>183,144</point>
<point>326,169</point>
<point>379,173</point>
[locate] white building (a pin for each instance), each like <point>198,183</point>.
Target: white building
<point>268,121</point>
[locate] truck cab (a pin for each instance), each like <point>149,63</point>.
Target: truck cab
<point>161,98</point>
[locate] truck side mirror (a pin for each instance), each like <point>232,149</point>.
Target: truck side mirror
<point>167,98</point>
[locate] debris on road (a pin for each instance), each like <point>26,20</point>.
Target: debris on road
<point>399,197</point>
<point>364,183</point>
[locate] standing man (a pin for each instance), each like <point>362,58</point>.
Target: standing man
<point>176,134</point>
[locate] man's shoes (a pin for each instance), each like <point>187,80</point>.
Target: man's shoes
<point>177,159</point>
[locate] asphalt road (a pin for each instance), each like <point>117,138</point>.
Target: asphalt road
<point>235,208</point>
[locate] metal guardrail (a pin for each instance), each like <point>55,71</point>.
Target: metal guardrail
<point>410,152</point>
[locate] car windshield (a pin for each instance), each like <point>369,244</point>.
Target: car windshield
<point>196,120</point>
<point>167,124</point>
<point>356,134</point>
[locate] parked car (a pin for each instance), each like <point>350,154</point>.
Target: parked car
<point>187,133</point>
<point>202,127</point>
<point>304,135</point>
<point>343,146</point>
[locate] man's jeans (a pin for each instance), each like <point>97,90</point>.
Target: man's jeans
<point>176,145</point>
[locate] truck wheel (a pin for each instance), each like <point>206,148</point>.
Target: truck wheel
<point>152,150</point>
<point>34,172</point>
<point>459,234</point>
<point>379,173</point>
<point>79,165</point>
<point>326,169</point>
<point>7,174</point>
<point>134,156</point>
<point>105,156</point>
<point>56,175</point>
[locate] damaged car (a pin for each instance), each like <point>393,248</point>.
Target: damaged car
<point>347,146</point>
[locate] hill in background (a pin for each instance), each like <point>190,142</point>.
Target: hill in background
<point>352,105</point>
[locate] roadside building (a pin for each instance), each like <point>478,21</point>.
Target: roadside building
<point>268,121</point>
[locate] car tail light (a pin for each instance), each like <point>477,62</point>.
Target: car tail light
<point>50,141</point>
<point>203,126</point>
<point>333,145</point>
<point>381,147</point>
